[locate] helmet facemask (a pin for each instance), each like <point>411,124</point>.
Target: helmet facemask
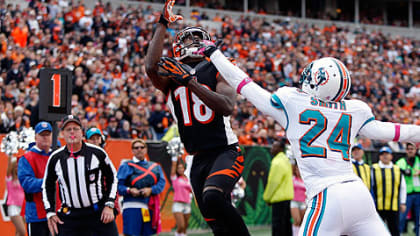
<point>194,37</point>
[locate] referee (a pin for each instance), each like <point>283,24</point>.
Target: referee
<point>87,184</point>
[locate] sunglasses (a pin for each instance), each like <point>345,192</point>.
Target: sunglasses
<point>139,147</point>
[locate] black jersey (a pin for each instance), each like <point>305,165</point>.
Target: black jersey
<point>199,126</point>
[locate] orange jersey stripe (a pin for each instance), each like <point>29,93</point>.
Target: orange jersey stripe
<point>316,215</point>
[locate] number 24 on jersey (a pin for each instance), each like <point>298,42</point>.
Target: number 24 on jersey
<point>337,141</point>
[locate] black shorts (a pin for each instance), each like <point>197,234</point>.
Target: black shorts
<point>220,167</point>
<point>38,229</point>
<point>85,222</point>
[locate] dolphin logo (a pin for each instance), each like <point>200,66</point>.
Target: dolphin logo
<point>321,76</point>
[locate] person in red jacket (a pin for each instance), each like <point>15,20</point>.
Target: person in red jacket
<point>31,169</point>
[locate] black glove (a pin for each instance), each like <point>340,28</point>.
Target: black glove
<point>174,70</point>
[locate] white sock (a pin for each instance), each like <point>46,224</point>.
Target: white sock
<point>295,230</point>
<point>177,234</point>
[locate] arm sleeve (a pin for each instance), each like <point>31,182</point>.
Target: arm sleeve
<point>388,131</point>
<point>160,185</point>
<point>403,190</point>
<point>267,103</point>
<point>123,172</point>
<point>110,178</point>
<point>49,185</point>
<point>27,179</point>
<point>241,82</point>
<point>231,73</point>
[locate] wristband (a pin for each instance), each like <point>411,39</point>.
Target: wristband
<point>242,84</point>
<point>174,158</point>
<point>163,21</point>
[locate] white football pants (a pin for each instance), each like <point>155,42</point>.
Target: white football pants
<point>343,209</point>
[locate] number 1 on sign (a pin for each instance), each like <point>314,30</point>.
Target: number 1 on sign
<point>56,96</point>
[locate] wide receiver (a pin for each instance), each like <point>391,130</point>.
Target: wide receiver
<point>201,107</point>
<point>321,127</point>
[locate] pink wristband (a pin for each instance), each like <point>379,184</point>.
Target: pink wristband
<point>242,84</point>
<point>397,132</point>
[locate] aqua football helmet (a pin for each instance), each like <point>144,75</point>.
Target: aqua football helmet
<point>327,79</point>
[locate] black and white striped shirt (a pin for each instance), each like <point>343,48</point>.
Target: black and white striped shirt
<point>84,180</point>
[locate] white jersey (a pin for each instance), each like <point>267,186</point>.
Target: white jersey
<point>321,135</point>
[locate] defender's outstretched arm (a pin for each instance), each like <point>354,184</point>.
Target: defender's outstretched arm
<point>241,82</point>
<point>388,131</point>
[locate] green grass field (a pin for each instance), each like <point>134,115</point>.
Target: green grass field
<point>254,231</point>
<point>264,231</point>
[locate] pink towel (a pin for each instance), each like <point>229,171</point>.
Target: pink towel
<point>154,207</point>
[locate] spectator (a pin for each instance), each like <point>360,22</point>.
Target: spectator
<point>15,197</point>
<point>124,131</point>
<point>21,119</point>
<point>112,129</point>
<point>297,205</point>
<point>360,168</point>
<point>410,167</point>
<point>7,61</point>
<point>86,21</point>
<point>157,121</point>
<point>182,196</point>
<point>7,120</point>
<point>33,106</point>
<point>389,202</point>
<point>279,189</point>
<point>14,74</point>
<point>139,182</point>
<point>94,136</point>
<point>87,207</point>
<point>31,170</point>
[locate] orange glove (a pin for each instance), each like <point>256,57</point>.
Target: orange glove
<point>167,13</point>
<point>174,70</point>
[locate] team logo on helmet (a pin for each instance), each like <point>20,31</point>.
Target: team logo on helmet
<point>327,79</point>
<point>321,76</point>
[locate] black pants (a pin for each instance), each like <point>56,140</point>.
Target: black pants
<point>85,222</point>
<point>220,168</point>
<point>392,219</point>
<point>281,224</point>
<point>38,229</point>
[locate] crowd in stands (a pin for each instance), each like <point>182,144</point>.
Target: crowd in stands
<point>370,12</point>
<point>105,48</point>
